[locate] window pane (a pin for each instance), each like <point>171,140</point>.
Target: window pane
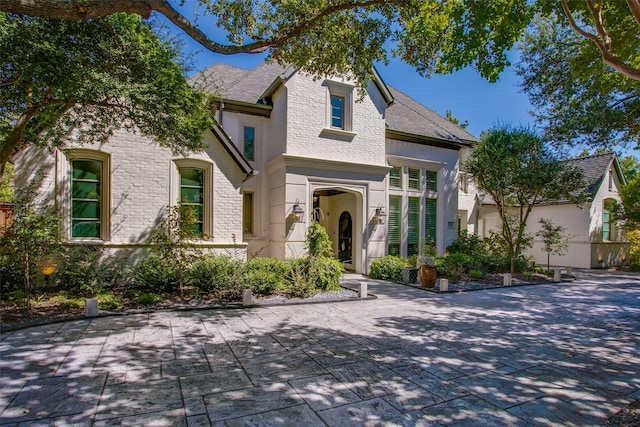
<point>432,181</point>
<point>249,142</point>
<point>430,221</point>
<point>85,229</point>
<point>414,179</point>
<point>190,195</point>
<point>85,198</point>
<point>394,249</point>
<point>606,224</point>
<point>337,112</point>
<point>395,177</point>
<point>85,190</point>
<point>87,169</point>
<point>83,210</point>
<point>247,213</point>
<point>191,177</point>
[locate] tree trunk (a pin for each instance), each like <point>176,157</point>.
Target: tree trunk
<point>26,280</point>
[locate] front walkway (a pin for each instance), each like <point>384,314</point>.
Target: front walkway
<point>562,354</point>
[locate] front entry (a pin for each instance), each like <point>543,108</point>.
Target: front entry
<point>345,239</point>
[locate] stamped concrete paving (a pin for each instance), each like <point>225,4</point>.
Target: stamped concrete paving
<point>562,354</point>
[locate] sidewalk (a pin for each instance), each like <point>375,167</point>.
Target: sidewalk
<point>562,354</point>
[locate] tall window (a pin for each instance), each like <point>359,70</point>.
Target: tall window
<point>414,179</point>
<point>337,112</point>
<point>249,142</point>
<point>432,181</point>
<point>395,177</point>
<point>430,221</point>
<point>86,198</point>
<point>247,213</point>
<point>192,195</point>
<point>394,222</point>
<point>607,220</point>
<point>413,232</point>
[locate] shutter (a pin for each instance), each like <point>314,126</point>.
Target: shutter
<point>430,221</point>
<point>393,219</point>
<point>395,178</point>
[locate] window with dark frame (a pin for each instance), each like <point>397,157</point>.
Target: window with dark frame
<point>192,195</point>
<point>86,195</point>
<point>249,142</point>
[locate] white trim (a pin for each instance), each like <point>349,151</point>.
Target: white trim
<point>345,91</point>
<point>322,164</point>
<point>64,178</point>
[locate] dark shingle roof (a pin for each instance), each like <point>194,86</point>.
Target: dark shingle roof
<point>408,115</point>
<point>594,169</point>
<point>405,114</point>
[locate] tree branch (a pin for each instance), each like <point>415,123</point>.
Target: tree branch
<point>94,9</point>
<point>603,44</point>
<point>634,6</point>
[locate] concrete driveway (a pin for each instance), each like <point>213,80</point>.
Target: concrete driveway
<point>562,354</point>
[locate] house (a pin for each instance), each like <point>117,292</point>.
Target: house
<point>374,167</point>
<point>596,240</point>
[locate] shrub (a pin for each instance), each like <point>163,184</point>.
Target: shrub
<point>298,280</point>
<point>147,299</point>
<point>476,274</point>
<point>213,273</point>
<point>318,241</point>
<point>325,273</point>
<point>265,275</point>
<point>634,249</point>
<point>155,274</point>
<point>469,244</point>
<point>79,273</point>
<point>412,261</point>
<point>388,267</point>
<point>107,302</point>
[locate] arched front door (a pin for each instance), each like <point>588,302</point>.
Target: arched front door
<point>345,238</point>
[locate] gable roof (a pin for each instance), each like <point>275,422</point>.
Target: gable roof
<point>406,118</point>
<point>595,168</point>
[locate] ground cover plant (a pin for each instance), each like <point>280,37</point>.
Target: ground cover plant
<point>86,272</point>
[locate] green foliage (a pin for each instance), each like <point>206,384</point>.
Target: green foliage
<point>155,274</point>
<point>318,241</point>
<point>518,171</point>
<point>476,274</point>
<point>578,99</point>
<point>298,280</point>
<point>630,196</point>
<point>173,241</point>
<point>265,275</point>
<point>7,185</point>
<point>325,272</point>
<point>388,267</point>
<point>34,234</point>
<point>91,78</point>
<point>108,302</point>
<point>148,298</point>
<point>212,273</point>
<point>634,249</point>
<point>554,237</point>
<point>79,272</point>
<point>467,243</point>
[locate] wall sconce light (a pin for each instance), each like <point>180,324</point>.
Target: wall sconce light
<point>297,212</point>
<point>380,216</point>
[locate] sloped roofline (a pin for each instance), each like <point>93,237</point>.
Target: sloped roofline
<point>290,71</point>
<point>233,151</point>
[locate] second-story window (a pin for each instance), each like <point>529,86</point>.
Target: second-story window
<point>249,142</point>
<point>337,112</point>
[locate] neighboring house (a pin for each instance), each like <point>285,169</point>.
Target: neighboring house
<point>596,240</point>
<point>374,167</point>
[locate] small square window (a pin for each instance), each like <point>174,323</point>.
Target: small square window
<point>337,112</point>
<point>249,142</point>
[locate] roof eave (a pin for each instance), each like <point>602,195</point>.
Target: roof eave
<point>233,151</point>
<point>427,140</point>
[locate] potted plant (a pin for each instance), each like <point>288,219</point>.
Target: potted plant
<point>426,263</point>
